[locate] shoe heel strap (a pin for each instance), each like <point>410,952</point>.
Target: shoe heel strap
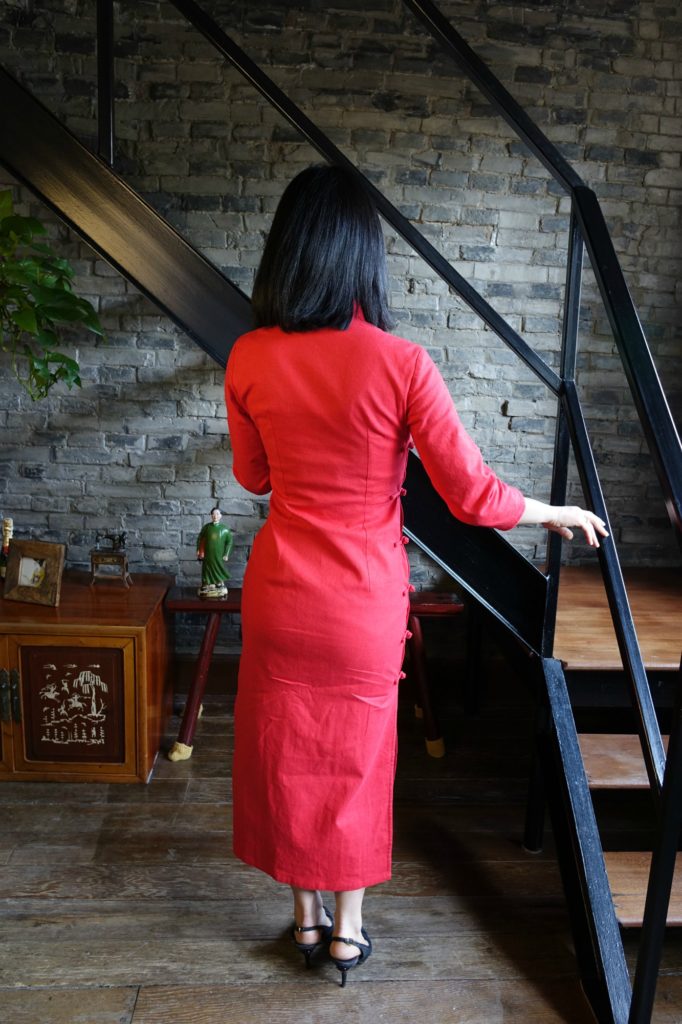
<point>316,927</point>
<point>350,942</point>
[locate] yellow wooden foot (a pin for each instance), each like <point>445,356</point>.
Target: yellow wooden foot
<point>418,711</point>
<point>201,711</point>
<point>180,752</point>
<point>435,748</point>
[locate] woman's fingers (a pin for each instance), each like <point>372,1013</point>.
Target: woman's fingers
<point>557,528</point>
<point>570,515</point>
<point>592,526</point>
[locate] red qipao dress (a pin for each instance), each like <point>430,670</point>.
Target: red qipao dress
<point>323,419</point>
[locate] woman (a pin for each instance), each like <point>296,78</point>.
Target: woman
<point>322,405</point>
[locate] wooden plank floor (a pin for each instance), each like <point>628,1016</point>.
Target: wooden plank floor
<point>585,637</point>
<point>124,905</point>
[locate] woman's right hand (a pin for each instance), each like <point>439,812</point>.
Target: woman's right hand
<point>566,516</point>
<point>560,518</point>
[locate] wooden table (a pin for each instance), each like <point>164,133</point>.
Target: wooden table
<point>185,599</point>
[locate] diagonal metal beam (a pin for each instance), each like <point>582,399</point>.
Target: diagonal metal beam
<point>624,626</point>
<point>645,385</point>
<point>295,116</point>
<point>111,217</point>
<point>491,87</point>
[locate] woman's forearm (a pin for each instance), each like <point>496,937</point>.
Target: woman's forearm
<point>535,513</point>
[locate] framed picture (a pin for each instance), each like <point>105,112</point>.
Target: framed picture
<point>34,571</point>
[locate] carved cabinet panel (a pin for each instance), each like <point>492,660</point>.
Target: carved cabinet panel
<point>85,699</point>
<point>74,700</point>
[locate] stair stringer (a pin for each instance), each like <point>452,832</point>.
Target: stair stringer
<point>117,223</point>
<point>598,945</point>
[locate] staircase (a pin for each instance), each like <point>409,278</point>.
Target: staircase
<point>602,890</point>
<point>613,761</point>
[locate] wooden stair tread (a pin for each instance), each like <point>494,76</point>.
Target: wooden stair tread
<point>585,637</point>
<point>614,761</point>
<point>628,877</point>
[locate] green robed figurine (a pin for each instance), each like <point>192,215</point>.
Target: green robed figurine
<point>214,545</point>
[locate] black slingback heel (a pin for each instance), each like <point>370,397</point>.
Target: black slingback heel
<point>308,948</point>
<point>346,965</point>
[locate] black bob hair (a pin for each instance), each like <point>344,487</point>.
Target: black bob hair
<point>324,258</point>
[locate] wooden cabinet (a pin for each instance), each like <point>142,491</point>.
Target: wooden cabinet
<point>84,691</point>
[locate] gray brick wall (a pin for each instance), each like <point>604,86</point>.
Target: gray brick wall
<point>143,445</point>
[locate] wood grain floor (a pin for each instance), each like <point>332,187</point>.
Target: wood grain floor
<point>124,905</point>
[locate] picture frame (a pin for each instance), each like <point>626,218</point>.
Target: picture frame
<point>34,571</point>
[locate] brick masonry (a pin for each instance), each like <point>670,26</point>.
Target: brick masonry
<point>143,445</point>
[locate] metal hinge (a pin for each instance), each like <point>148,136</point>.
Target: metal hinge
<point>4,696</point>
<point>16,696</point>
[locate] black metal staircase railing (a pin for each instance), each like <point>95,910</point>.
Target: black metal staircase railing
<point>588,229</point>
<point>106,134</point>
<point>650,400</point>
<point>598,945</point>
<point>214,313</point>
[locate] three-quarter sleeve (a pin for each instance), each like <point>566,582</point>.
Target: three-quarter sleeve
<point>471,490</point>
<point>249,459</point>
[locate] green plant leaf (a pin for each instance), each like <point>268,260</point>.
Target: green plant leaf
<point>12,293</point>
<point>36,295</point>
<point>92,322</point>
<point>47,337</point>
<point>6,204</point>
<point>26,319</point>
<point>60,266</point>
<point>23,227</point>
<point>67,364</point>
<point>47,294</point>
<point>62,314</point>
<point>49,280</point>
<point>40,247</point>
<point>18,273</point>
<point>42,375</point>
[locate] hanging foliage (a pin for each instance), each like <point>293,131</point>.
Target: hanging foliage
<point>36,301</point>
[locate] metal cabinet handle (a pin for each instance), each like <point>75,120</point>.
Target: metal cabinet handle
<point>16,697</point>
<point>5,714</point>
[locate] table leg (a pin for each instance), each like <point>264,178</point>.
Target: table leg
<point>474,689</point>
<point>432,734</point>
<point>182,748</point>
